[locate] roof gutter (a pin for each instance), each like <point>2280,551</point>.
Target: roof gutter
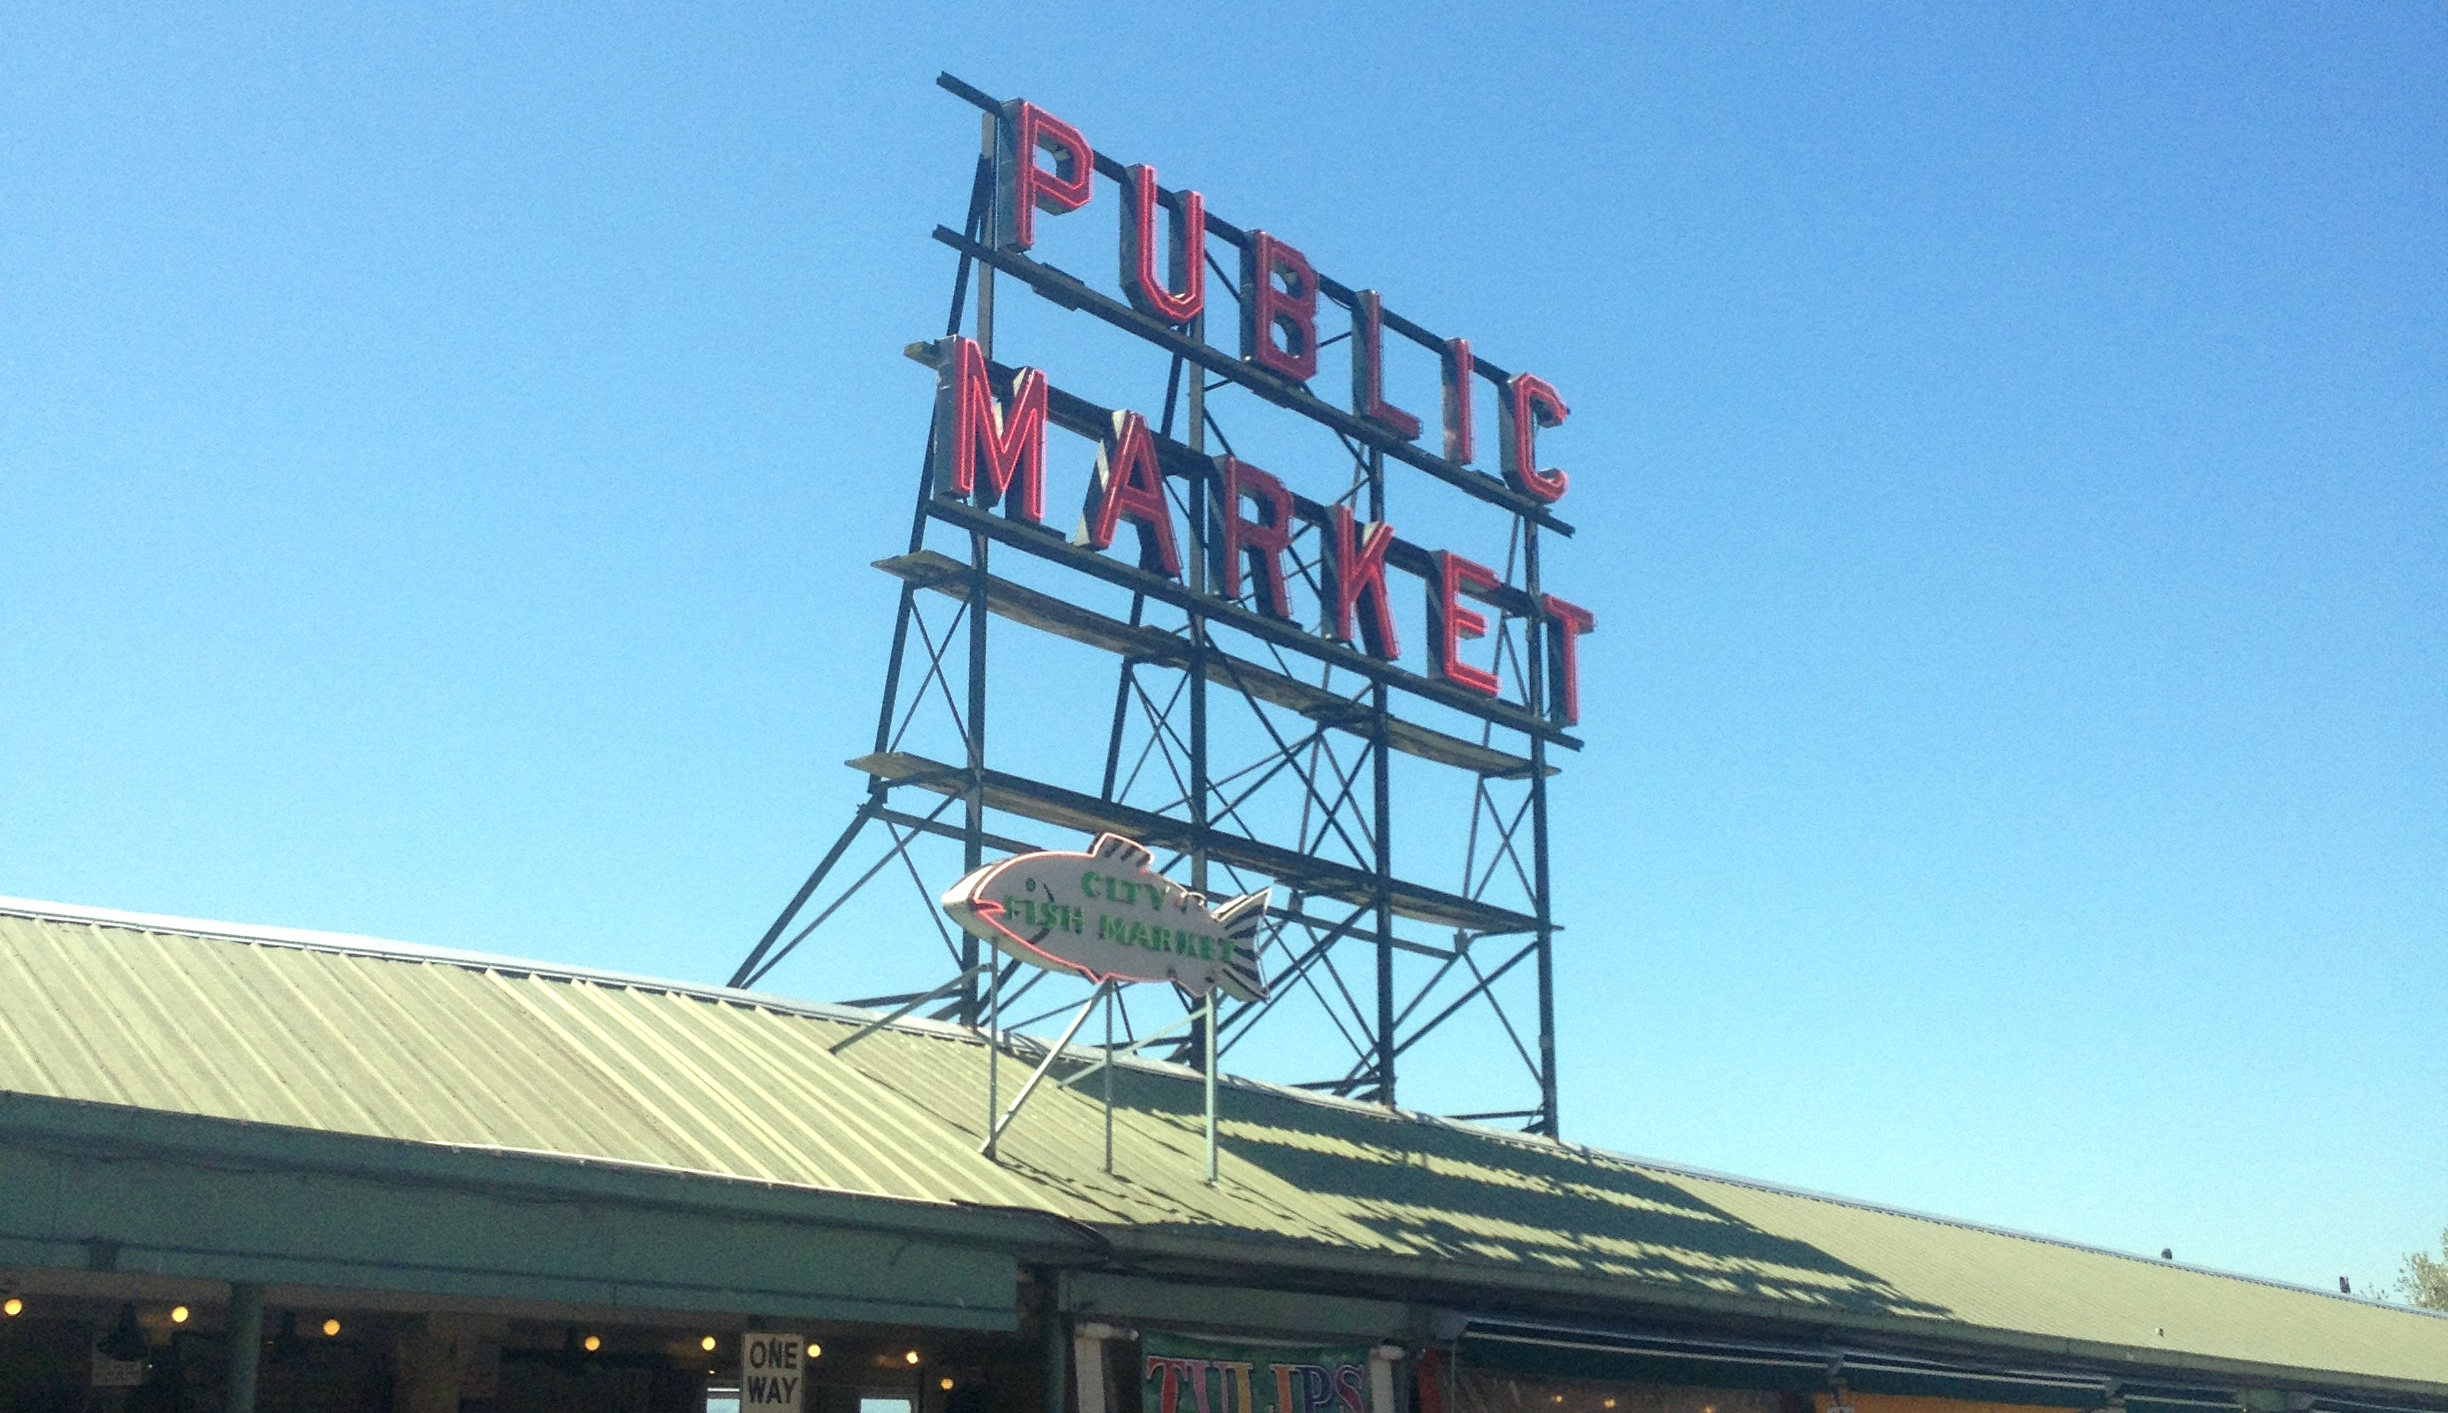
<point>1470,1283</point>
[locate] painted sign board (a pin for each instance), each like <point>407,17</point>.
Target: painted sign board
<point>1186,1375</point>
<point>116,1373</point>
<point>1106,915</point>
<point>772,1371</point>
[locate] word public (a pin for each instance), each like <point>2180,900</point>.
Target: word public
<point>991,448</point>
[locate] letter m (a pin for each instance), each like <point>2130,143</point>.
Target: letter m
<point>974,433</point>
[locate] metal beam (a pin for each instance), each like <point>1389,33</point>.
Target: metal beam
<point>1021,604</point>
<point>1071,809</point>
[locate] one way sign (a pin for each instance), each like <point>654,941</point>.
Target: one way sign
<point>771,1372</point>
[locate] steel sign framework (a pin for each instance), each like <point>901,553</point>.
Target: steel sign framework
<point>1250,745</point>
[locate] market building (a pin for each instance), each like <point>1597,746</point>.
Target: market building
<point>250,1168</point>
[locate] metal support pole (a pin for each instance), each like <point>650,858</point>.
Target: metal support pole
<point>1209,1073</point>
<point>994,1057</point>
<point>1536,642</point>
<point>1053,1053</point>
<point>1054,1343</point>
<point>1109,1071</point>
<point>1198,622</point>
<point>246,1313</point>
<point>1382,802</point>
<point>973,842</point>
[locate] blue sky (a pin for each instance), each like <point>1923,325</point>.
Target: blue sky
<point>440,458</point>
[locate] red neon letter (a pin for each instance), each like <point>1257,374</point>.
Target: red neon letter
<point>1259,544</point>
<point>1355,569</point>
<point>1529,403</point>
<point>1268,310</point>
<point>1368,370</point>
<point>1178,298</point>
<point>974,432</point>
<point>1565,625</point>
<point>1449,622</point>
<point>1459,363</point>
<point>1022,188</point>
<point>1129,482</point>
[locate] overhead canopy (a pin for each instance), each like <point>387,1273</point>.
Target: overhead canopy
<point>348,1037</point>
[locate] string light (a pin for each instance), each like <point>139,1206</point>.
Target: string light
<point>946,1385</point>
<point>814,1349</point>
<point>12,1307</point>
<point>706,1344</point>
<point>593,1343</point>
<point>331,1329</point>
<point>910,1358</point>
<point>178,1314</point>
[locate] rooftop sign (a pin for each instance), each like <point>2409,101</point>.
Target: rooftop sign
<point>1276,644</point>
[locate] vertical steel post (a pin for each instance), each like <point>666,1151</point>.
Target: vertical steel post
<point>1110,988</point>
<point>1543,907</point>
<point>1207,1067</point>
<point>1198,621</point>
<point>973,830</point>
<point>1382,800</point>
<point>1200,510</point>
<point>245,1345</point>
<point>1053,1342</point>
<point>994,1059</point>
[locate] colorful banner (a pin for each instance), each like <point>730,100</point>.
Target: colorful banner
<point>1181,1375</point>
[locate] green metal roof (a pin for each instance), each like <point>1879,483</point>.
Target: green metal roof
<point>352,1036</point>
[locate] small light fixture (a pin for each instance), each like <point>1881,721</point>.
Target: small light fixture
<point>945,1385</point>
<point>331,1329</point>
<point>814,1349</point>
<point>707,1344</point>
<point>12,1307</point>
<point>593,1343</point>
<point>910,1358</point>
<point>178,1314</point>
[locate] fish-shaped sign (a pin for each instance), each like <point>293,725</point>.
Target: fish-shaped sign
<point>1105,915</point>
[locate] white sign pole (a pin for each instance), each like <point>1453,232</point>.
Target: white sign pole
<point>773,1371</point>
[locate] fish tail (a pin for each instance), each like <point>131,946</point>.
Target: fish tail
<point>1239,920</point>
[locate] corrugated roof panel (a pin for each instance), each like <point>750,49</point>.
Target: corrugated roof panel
<point>335,1035</point>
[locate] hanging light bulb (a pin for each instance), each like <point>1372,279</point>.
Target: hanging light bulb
<point>707,1344</point>
<point>945,1385</point>
<point>593,1343</point>
<point>12,1307</point>
<point>910,1358</point>
<point>178,1314</point>
<point>331,1329</point>
<point>814,1349</point>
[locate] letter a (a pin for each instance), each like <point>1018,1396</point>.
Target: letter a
<point>1129,482</point>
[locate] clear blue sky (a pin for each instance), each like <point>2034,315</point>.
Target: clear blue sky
<point>440,458</point>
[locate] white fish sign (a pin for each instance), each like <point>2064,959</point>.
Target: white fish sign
<point>1106,915</point>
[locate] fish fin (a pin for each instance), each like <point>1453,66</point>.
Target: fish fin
<point>1240,917</point>
<point>1243,981</point>
<point>1115,849</point>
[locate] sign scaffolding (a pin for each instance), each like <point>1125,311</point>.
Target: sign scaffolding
<point>1261,716</point>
